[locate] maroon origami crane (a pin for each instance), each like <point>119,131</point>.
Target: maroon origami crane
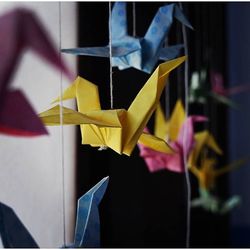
<point>20,30</point>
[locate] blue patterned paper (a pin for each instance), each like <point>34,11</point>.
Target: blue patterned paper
<point>87,231</point>
<point>140,53</point>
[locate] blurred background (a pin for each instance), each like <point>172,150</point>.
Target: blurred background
<point>139,209</point>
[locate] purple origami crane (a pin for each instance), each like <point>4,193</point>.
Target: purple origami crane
<point>20,30</point>
<point>182,145</point>
<point>219,88</point>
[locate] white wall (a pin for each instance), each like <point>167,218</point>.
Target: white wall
<point>30,169</point>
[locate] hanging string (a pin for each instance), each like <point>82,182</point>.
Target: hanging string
<point>167,100</point>
<point>110,68</point>
<point>179,70</point>
<point>185,133</point>
<point>110,59</point>
<point>61,130</point>
<point>134,20</point>
<point>167,88</point>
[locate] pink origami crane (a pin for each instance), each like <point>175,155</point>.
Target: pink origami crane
<point>20,30</point>
<point>219,88</point>
<point>181,141</point>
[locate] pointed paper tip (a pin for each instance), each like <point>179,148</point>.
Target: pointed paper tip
<point>166,67</point>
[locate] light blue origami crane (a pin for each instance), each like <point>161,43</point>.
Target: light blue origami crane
<point>87,231</point>
<point>213,204</point>
<point>140,53</point>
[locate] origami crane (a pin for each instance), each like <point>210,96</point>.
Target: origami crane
<point>173,131</point>
<point>200,89</point>
<point>206,175</point>
<point>202,139</point>
<point>219,93</point>
<point>219,88</point>
<point>139,53</point>
<point>20,30</point>
<point>87,231</point>
<point>213,204</point>
<point>125,126</point>
<point>12,231</point>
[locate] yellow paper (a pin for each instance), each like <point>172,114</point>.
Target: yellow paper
<point>161,125</point>
<point>234,165</point>
<point>127,125</point>
<point>207,174</point>
<point>155,143</point>
<point>71,117</point>
<point>203,139</point>
<point>172,126</point>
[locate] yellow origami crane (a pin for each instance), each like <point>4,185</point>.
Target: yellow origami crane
<point>202,139</point>
<point>207,173</point>
<point>118,129</point>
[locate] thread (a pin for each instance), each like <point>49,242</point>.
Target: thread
<point>185,133</point>
<point>61,130</point>
<point>167,100</point>
<point>103,147</point>
<point>110,60</point>
<point>167,88</point>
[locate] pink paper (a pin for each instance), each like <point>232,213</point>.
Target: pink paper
<point>183,145</point>
<point>218,86</point>
<point>18,117</point>
<point>20,30</point>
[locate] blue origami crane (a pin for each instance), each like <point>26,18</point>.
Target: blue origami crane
<point>87,231</point>
<point>140,53</point>
<point>12,231</point>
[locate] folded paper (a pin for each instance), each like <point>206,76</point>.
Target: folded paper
<point>128,124</point>
<point>203,139</point>
<point>207,175</point>
<point>200,88</point>
<point>213,204</point>
<point>140,53</point>
<point>87,231</point>
<point>219,88</point>
<point>179,133</point>
<point>22,30</point>
<point>12,231</point>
